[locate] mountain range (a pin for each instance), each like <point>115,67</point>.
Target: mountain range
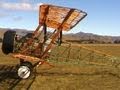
<point>80,37</point>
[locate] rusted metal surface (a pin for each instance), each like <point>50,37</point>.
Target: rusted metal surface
<point>30,58</point>
<point>29,42</point>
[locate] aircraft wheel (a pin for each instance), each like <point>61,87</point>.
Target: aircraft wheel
<point>25,70</point>
<point>8,42</point>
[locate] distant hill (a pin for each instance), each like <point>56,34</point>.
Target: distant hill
<point>80,37</point>
<point>19,31</point>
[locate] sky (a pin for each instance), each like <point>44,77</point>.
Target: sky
<point>103,15</point>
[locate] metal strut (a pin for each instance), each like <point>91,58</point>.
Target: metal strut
<point>55,36</point>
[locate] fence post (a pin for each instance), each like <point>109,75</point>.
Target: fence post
<point>69,51</point>
<point>79,55</point>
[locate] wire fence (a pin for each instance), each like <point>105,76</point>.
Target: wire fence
<point>78,54</point>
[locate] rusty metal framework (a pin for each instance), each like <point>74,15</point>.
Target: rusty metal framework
<point>55,17</point>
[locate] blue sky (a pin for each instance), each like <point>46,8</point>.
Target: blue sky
<point>103,15</point>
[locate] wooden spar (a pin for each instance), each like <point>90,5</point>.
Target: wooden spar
<point>60,38</point>
<point>45,32</point>
<point>55,35</point>
<point>24,47</point>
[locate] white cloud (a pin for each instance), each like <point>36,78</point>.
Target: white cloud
<point>2,14</point>
<point>19,6</point>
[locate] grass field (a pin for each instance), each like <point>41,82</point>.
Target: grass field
<point>72,71</point>
<point>112,49</point>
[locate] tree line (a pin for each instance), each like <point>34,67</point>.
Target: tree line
<point>94,41</point>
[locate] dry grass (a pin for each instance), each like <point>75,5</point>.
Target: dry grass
<point>112,49</point>
<point>67,75</point>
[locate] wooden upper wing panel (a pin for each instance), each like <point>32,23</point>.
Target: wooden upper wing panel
<point>60,17</point>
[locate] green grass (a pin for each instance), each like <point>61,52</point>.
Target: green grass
<point>73,70</point>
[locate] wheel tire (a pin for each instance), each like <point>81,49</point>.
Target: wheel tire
<point>8,42</point>
<point>25,70</point>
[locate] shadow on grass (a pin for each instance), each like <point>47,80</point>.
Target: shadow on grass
<point>9,79</point>
<point>45,73</point>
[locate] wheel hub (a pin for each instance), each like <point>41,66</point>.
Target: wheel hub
<point>24,72</point>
